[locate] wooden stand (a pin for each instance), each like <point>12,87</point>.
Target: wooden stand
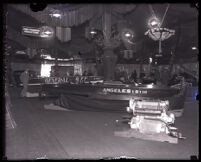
<point>161,137</point>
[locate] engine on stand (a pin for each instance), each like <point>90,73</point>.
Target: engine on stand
<point>151,117</point>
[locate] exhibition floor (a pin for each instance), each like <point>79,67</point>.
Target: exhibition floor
<point>54,134</point>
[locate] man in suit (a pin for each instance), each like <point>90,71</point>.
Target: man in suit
<point>24,77</point>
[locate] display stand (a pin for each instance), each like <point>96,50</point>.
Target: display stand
<point>160,137</point>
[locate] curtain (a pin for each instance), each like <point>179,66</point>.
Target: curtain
<point>63,33</point>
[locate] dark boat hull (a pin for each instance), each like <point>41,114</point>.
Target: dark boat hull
<point>111,97</point>
<point>120,92</point>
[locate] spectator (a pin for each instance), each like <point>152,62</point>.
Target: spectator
<point>164,77</point>
<point>84,73</point>
<point>123,76</point>
<point>157,74</point>
<point>52,73</point>
<point>24,78</point>
<point>152,77</point>
<point>117,74</point>
<point>90,73</point>
<point>67,74</point>
<point>142,75</point>
<point>133,76</point>
<point>11,77</point>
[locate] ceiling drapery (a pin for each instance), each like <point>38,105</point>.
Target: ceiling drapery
<point>96,20</point>
<point>76,15</point>
<point>72,17</point>
<point>69,18</point>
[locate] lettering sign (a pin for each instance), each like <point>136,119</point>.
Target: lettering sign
<point>43,32</point>
<point>124,90</point>
<point>56,80</point>
<point>31,31</point>
<point>72,79</point>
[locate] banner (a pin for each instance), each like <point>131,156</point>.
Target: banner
<point>30,31</point>
<point>43,32</point>
<point>63,33</point>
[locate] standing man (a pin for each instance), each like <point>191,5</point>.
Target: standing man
<point>133,76</point>
<point>164,76</point>
<point>24,78</point>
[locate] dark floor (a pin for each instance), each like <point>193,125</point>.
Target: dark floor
<point>75,134</point>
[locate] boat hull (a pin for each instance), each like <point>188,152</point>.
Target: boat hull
<point>113,98</point>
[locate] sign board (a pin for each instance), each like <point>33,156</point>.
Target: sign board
<point>63,33</point>
<point>30,31</point>
<point>56,80</point>
<point>124,90</point>
<point>43,32</point>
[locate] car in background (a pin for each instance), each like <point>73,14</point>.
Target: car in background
<point>190,79</point>
<point>176,79</point>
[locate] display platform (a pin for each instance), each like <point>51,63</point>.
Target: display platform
<point>160,137</point>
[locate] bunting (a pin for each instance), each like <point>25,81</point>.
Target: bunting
<point>63,33</point>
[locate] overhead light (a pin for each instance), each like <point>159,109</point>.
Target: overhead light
<point>93,31</point>
<point>57,15</point>
<point>194,48</point>
<point>154,22</point>
<point>127,34</point>
<point>150,60</point>
<point>20,52</point>
<point>158,55</point>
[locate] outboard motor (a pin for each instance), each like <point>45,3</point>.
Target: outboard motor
<point>152,117</point>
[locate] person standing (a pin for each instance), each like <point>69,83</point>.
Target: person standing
<point>133,76</point>
<point>24,78</point>
<point>164,76</point>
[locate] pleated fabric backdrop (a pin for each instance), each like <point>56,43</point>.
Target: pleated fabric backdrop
<point>63,33</point>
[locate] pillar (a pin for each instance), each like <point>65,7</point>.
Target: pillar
<point>109,58</point>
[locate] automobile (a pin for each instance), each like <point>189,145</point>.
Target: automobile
<point>176,79</point>
<point>190,79</point>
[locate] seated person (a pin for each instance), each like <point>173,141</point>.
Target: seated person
<point>89,73</point>
<point>84,73</point>
<point>152,78</point>
<point>142,75</point>
<point>117,74</point>
<point>71,73</point>
<point>174,80</point>
<point>122,79</point>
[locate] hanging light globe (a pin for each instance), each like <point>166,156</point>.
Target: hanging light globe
<point>154,22</point>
